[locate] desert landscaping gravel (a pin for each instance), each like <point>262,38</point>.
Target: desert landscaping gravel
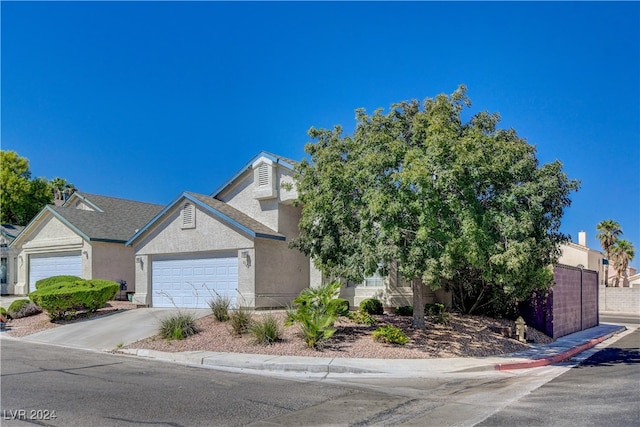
<point>464,336</point>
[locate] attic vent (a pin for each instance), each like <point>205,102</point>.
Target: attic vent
<point>264,180</point>
<point>188,216</point>
<point>263,175</point>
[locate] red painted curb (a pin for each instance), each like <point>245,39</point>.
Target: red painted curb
<point>551,359</point>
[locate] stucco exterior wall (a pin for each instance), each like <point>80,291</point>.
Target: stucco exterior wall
<point>113,261</point>
<point>281,273</point>
<point>241,196</point>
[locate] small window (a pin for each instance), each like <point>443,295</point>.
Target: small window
<point>374,281</point>
<point>188,216</point>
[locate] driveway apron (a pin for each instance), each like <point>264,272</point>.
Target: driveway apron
<point>109,331</point>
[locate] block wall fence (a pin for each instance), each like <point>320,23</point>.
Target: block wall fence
<point>622,300</point>
<point>571,305</point>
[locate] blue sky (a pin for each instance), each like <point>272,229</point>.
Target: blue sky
<point>146,100</point>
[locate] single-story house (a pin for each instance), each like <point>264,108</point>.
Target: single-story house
<point>232,243</point>
<point>84,237</point>
<point>8,258</point>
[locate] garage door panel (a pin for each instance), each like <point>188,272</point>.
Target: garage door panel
<point>192,283</point>
<point>48,265</point>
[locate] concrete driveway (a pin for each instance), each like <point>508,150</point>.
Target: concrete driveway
<point>111,330</point>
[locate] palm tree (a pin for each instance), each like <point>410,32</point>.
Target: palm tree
<point>623,253</point>
<point>608,232</point>
<point>61,189</point>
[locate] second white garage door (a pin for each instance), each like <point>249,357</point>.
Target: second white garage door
<point>193,282</point>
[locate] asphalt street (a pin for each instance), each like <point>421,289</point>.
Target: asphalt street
<point>604,390</point>
<point>88,388</point>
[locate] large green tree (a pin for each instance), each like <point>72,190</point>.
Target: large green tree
<point>457,204</point>
<point>21,197</point>
<point>608,233</point>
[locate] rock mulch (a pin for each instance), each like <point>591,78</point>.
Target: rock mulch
<point>464,336</point>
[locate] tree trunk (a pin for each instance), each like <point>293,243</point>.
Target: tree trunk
<point>606,276</point>
<point>418,304</point>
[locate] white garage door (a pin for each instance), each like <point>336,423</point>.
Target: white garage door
<point>193,282</point>
<point>47,265</point>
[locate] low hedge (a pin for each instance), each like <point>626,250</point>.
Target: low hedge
<point>23,308</point>
<point>372,306</point>
<point>65,297</point>
<point>54,280</point>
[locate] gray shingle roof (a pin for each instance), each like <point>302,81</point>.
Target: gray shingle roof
<point>118,220</point>
<point>10,231</point>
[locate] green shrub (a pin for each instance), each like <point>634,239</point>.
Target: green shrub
<point>220,307</point>
<point>240,320</point>
<point>405,310</point>
<point>43,283</point>
<point>438,313</point>
<point>362,318</point>
<point>316,328</point>
<point>340,306</point>
<point>372,306</point>
<point>266,331</point>
<point>17,305</point>
<point>178,326</point>
<point>433,309</point>
<point>23,308</point>
<point>66,297</point>
<point>3,311</point>
<point>390,334</point>
<point>316,310</point>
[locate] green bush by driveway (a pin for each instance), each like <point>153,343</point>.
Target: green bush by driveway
<point>54,280</point>
<point>60,299</point>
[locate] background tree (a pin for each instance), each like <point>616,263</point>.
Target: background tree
<point>21,197</point>
<point>61,189</point>
<point>457,205</point>
<point>623,253</point>
<point>608,233</point>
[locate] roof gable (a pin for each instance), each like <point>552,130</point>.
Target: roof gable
<point>227,214</point>
<point>111,220</point>
<point>278,160</point>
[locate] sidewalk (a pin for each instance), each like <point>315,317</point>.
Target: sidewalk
<point>538,355</point>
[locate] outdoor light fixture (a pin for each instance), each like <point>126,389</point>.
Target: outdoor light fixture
<point>245,258</point>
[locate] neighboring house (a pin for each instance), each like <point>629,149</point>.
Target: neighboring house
<point>85,237</point>
<point>232,243</point>
<point>580,255</point>
<point>628,278</point>
<point>8,258</point>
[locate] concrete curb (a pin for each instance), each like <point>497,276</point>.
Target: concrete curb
<point>330,365</point>
<point>560,357</point>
